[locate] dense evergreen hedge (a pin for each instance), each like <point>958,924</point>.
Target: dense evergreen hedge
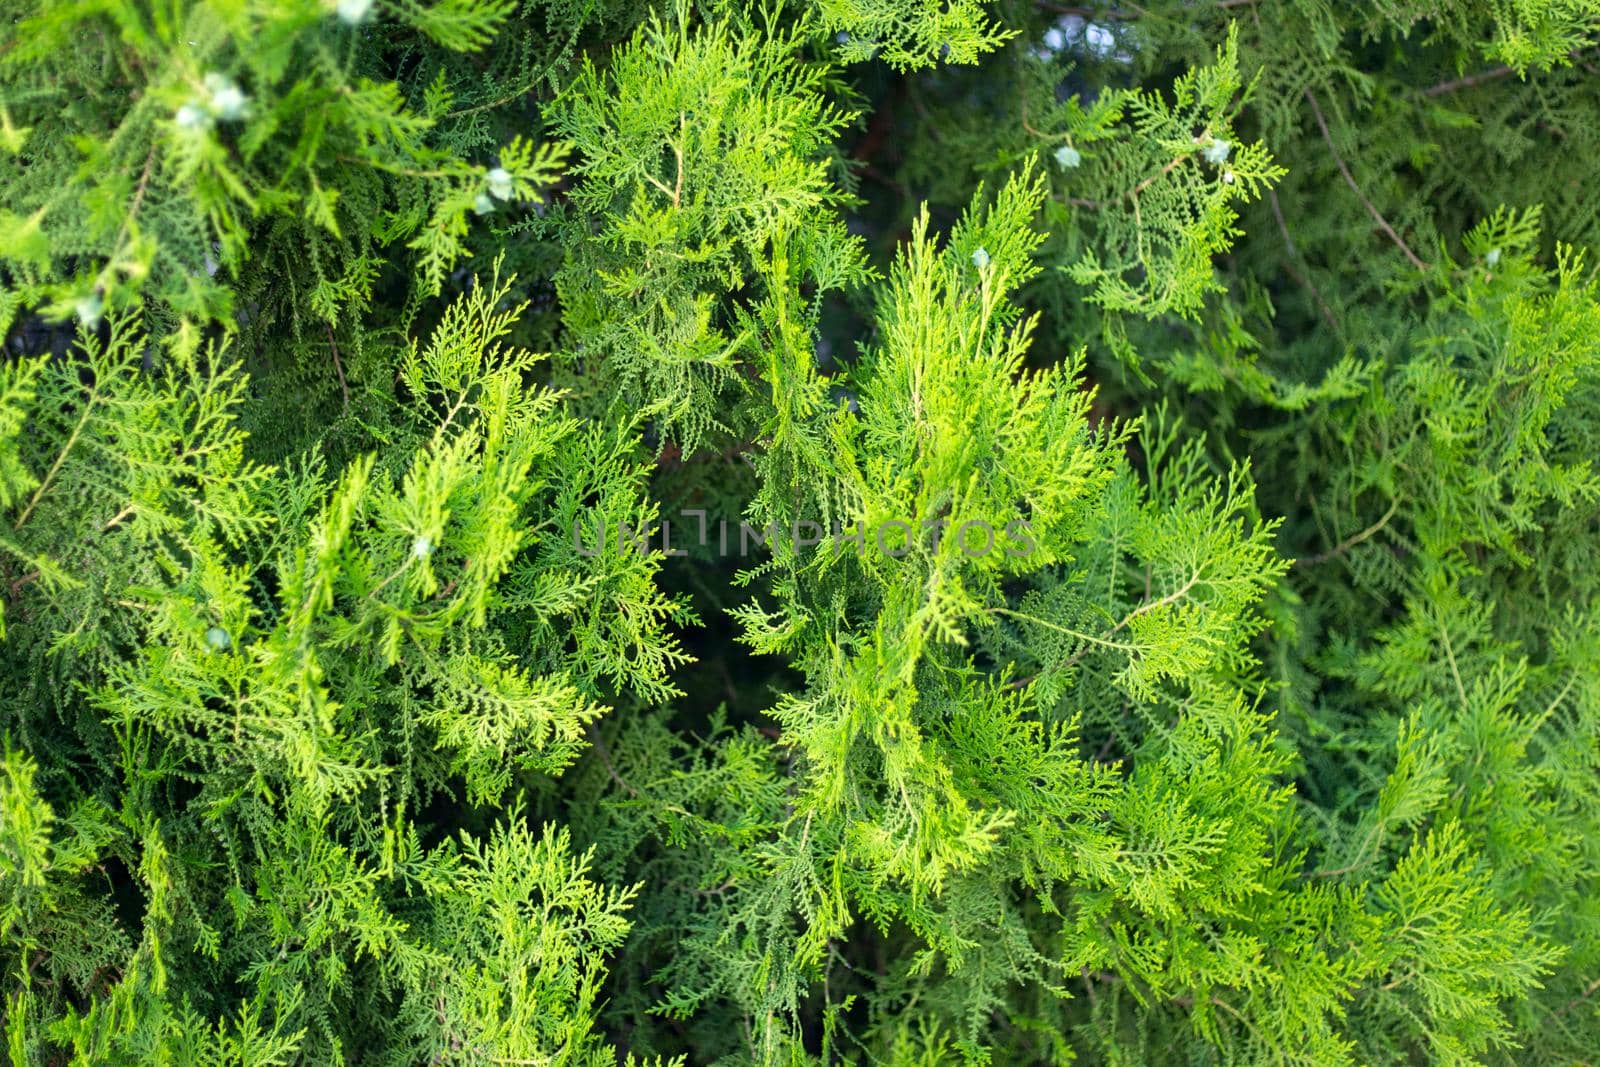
<point>846,531</point>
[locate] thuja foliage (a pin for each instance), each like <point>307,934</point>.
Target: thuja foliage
<point>842,531</point>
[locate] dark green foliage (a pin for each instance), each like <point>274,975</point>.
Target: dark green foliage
<point>841,532</point>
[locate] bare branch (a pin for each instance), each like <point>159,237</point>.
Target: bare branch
<point>1377,216</point>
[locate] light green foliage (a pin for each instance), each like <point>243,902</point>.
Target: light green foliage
<point>1161,180</point>
<point>225,114</point>
<point>319,658</point>
<point>688,243</point>
<point>909,34</point>
<point>1044,534</point>
<point>517,934</point>
<point>1535,35</point>
<point>1483,431</point>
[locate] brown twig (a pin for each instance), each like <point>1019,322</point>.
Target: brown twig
<point>450,586</point>
<point>1349,542</point>
<point>499,100</point>
<point>1469,80</point>
<point>672,456</point>
<point>344,388</point>
<point>27,579</point>
<point>1377,216</point>
<point>1465,83</point>
<point>605,759</point>
<point>1132,195</point>
<point>133,205</point>
<point>1580,998</point>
